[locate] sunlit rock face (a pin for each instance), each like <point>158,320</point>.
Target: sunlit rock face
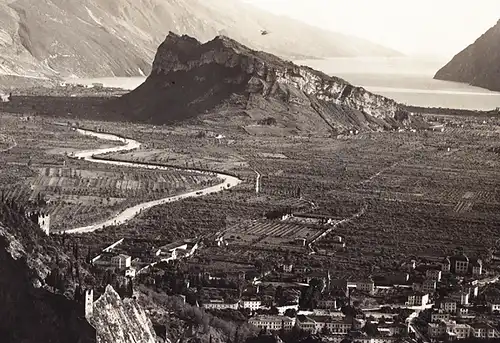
<point>120,321</point>
<point>189,78</point>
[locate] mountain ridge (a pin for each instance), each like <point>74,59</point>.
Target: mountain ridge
<point>476,64</point>
<point>190,79</point>
<point>120,38</point>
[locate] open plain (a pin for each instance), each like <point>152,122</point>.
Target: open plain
<point>395,194</point>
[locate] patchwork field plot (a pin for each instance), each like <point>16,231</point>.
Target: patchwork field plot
<point>272,233</point>
<point>76,192</point>
<point>425,193</point>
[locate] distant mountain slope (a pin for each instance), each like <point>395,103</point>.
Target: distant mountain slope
<point>478,63</point>
<point>96,38</point>
<point>223,80</point>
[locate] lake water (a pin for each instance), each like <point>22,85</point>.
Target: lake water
<point>406,80</point>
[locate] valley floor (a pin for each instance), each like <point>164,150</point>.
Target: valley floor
<point>425,193</point>
<point>354,205</point>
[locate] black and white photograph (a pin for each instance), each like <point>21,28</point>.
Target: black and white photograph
<point>249,171</point>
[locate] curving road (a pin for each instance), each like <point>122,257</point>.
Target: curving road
<point>130,144</point>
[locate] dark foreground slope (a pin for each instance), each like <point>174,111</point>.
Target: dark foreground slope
<point>29,312</point>
<point>478,63</point>
<point>223,80</point>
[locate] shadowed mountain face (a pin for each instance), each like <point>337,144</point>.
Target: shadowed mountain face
<point>97,38</point>
<point>478,64</point>
<point>223,80</point>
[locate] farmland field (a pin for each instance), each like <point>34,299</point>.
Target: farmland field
<point>420,193</point>
<point>425,193</point>
<point>76,192</point>
<point>271,232</point>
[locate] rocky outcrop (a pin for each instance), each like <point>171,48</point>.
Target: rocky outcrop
<point>119,37</point>
<point>120,321</point>
<point>29,311</point>
<point>189,78</point>
<point>476,65</point>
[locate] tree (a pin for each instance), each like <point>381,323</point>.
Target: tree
<point>370,329</point>
<point>279,294</point>
<point>291,312</point>
<point>88,259</point>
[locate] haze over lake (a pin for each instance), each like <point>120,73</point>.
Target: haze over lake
<point>406,80</point>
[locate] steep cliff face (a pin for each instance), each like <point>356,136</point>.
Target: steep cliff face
<point>120,321</point>
<point>478,63</point>
<point>189,78</point>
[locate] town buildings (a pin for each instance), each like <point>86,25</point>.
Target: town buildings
<point>121,261</point>
<point>220,304</point>
<point>418,299</point>
<point>273,323</point>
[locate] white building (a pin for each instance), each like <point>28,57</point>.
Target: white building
<point>272,323</point>
<point>448,306</point>
<point>462,330</point>
<point>315,324</point>
<point>219,304</point>
<point>494,307</point>
<point>252,304</point>
<point>418,299</point>
<point>367,286</point>
<point>121,261</point>
<point>484,330</point>
<point>449,329</point>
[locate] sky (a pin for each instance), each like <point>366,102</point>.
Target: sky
<point>438,28</point>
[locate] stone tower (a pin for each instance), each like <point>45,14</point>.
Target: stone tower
<point>44,222</point>
<point>89,303</point>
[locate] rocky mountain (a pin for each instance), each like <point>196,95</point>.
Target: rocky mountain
<point>120,321</point>
<point>29,311</point>
<point>97,38</point>
<point>36,294</point>
<point>477,64</point>
<point>223,80</point>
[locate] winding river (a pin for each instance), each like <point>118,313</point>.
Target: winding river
<point>229,181</point>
